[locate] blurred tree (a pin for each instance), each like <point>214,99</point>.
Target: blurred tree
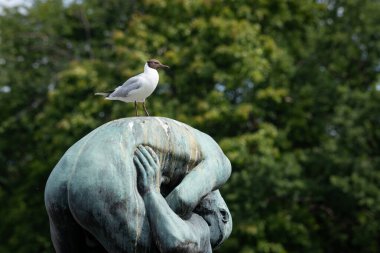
<point>290,90</point>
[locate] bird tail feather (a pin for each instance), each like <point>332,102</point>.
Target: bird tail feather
<point>102,94</point>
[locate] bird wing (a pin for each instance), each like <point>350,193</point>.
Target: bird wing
<point>123,91</point>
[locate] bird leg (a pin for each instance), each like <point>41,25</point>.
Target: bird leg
<point>146,112</point>
<point>136,109</point>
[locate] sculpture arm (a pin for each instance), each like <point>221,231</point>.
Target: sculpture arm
<point>207,176</point>
<point>171,233</point>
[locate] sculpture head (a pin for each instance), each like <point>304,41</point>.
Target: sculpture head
<point>215,212</point>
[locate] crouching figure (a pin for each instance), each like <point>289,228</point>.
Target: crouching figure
<point>139,185</point>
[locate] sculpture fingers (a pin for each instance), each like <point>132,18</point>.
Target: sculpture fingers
<point>139,167</point>
<point>144,161</point>
<point>150,171</point>
<point>142,180</point>
<point>147,155</point>
<point>153,154</point>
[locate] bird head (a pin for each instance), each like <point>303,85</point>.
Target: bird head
<point>156,64</point>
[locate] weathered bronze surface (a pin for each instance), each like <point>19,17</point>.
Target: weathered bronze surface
<point>146,184</point>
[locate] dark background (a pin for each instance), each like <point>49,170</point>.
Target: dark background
<point>289,89</point>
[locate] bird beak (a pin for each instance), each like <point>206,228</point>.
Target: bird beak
<point>164,66</point>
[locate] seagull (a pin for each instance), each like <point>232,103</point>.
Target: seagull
<point>137,88</point>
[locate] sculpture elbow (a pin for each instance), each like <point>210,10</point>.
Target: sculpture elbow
<point>225,169</point>
<point>227,166</point>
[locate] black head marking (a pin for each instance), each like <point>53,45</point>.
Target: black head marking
<point>156,64</point>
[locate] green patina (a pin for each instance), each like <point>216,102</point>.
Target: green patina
<point>92,196</point>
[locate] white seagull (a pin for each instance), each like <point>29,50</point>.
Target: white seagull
<point>139,87</point>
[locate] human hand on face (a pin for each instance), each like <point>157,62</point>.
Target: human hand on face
<point>148,170</point>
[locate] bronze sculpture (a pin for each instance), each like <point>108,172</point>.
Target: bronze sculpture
<point>99,198</point>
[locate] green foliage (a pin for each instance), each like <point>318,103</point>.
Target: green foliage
<point>289,89</point>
